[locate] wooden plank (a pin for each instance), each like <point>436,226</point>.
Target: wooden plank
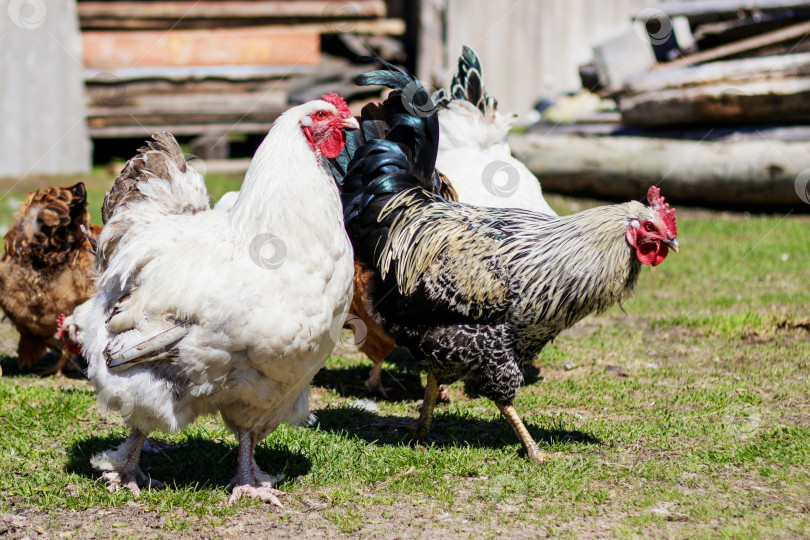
<point>197,74</point>
<point>375,27</point>
<point>710,7</point>
<point>758,102</point>
<point>756,42</point>
<point>255,45</point>
<point>232,9</point>
<point>756,174</point>
<point>730,72</point>
<point>145,130</point>
<point>111,102</point>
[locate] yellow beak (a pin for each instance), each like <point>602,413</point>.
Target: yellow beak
<point>350,123</point>
<point>675,246</point>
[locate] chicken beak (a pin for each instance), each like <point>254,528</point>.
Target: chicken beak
<point>350,123</point>
<point>674,245</point>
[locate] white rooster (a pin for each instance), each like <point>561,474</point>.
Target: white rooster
<point>473,151</point>
<point>194,316</point>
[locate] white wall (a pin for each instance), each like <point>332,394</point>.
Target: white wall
<point>528,48</point>
<point>42,111</point>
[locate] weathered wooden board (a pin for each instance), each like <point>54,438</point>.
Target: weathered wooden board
<point>753,174</point>
<point>312,9</point>
<point>750,91</point>
<point>220,46</point>
<point>763,40</point>
<point>759,102</point>
<point>713,7</point>
<point>374,27</point>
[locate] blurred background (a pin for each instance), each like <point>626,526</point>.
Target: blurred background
<point>710,96</point>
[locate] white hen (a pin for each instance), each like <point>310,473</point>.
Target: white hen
<point>473,151</point>
<point>200,311</point>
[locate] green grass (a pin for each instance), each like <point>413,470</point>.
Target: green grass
<point>685,415</point>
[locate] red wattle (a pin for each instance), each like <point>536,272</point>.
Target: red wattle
<point>332,146</point>
<point>308,136</point>
<point>652,253</point>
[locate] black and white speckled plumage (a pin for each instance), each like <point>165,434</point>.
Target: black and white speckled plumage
<point>479,291</point>
<point>475,291</point>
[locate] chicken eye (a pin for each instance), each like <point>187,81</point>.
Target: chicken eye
<point>649,227</point>
<point>320,115</point>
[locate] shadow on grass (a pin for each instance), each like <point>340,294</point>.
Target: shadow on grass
<point>195,461</point>
<point>403,382</point>
<point>448,429</point>
<point>11,367</point>
<point>401,375</point>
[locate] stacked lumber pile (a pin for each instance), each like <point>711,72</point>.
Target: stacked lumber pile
<point>208,67</point>
<point>712,102</point>
<point>711,62</point>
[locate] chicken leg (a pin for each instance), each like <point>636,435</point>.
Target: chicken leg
<point>532,450</point>
<point>426,416</point>
<point>122,466</point>
<point>250,480</point>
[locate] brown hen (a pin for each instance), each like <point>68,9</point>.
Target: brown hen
<point>46,269</point>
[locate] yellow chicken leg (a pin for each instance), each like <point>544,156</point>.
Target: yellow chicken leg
<point>426,416</point>
<point>532,450</point>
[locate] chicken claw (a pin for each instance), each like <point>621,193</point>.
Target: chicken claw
<point>121,466</point>
<point>263,493</point>
<point>132,481</point>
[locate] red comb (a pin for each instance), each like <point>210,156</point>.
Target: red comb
<point>663,210</point>
<point>338,102</point>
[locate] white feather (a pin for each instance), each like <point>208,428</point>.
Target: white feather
<point>256,334</point>
<point>470,147</point>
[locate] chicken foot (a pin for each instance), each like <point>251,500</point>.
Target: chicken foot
<point>122,466</point>
<point>374,382</point>
<point>532,450</point>
<point>250,480</point>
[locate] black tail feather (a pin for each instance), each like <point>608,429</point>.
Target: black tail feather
<point>468,84</point>
<point>394,151</point>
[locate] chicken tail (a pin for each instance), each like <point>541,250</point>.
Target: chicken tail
<point>157,182</point>
<point>407,117</point>
<point>398,157</point>
<point>468,85</point>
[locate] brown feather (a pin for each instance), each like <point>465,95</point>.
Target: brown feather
<point>47,265</point>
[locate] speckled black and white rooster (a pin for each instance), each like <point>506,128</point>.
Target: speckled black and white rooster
<point>477,292</point>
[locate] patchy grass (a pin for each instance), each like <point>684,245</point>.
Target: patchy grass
<point>685,415</point>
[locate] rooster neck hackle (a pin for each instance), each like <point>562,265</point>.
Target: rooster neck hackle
<point>554,270</point>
